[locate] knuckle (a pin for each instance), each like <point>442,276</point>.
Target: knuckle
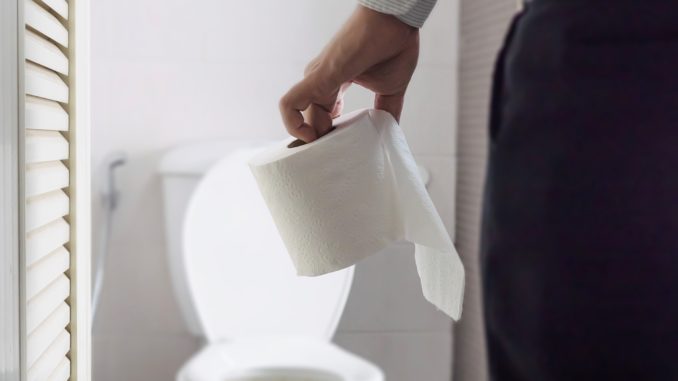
<point>283,102</point>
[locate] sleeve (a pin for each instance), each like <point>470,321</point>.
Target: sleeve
<point>411,12</point>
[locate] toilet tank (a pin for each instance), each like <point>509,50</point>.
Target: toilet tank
<point>181,169</point>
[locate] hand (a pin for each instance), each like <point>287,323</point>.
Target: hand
<point>374,50</point>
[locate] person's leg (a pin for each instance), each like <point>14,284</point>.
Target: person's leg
<point>580,230</point>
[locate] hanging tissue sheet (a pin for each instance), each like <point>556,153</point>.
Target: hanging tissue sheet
<point>352,193</point>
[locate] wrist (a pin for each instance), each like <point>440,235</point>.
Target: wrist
<point>368,37</point>
<point>384,22</point>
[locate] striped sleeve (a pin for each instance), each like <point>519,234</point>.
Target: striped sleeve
<point>411,12</point>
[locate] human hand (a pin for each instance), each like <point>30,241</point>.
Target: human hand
<point>372,49</point>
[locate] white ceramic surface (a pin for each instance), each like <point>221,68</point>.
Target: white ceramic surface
<point>228,259</point>
<point>278,358</point>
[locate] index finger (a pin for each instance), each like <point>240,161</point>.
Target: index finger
<point>297,99</point>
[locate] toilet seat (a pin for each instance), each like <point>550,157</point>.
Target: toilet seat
<point>235,282</point>
<point>283,358</point>
<point>239,276</point>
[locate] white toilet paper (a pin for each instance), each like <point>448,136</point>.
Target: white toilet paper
<point>350,194</point>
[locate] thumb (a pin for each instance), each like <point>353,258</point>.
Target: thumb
<point>319,118</point>
<point>393,104</point>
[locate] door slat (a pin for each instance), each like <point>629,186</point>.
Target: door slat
<point>41,51</point>
<point>41,20</point>
<point>46,271</point>
<point>45,83</point>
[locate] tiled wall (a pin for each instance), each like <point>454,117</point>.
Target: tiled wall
<point>482,29</point>
<point>168,72</point>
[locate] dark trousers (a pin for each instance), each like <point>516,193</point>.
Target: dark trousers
<point>580,221</point>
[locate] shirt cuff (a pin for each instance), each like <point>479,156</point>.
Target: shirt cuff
<point>411,12</point>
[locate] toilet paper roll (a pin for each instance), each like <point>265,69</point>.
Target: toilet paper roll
<point>352,193</point>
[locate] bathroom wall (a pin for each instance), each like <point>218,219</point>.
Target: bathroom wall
<point>168,72</point>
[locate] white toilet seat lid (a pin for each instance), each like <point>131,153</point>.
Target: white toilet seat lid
<point>239,274</point>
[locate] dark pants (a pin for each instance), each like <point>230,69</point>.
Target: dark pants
<point>580,221</point>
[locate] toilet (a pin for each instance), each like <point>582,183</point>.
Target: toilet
<point>234,281</point>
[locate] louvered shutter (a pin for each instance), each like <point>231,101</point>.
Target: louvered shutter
<point>483,24</point>
<point>46,190</point>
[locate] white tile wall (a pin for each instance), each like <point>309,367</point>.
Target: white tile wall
<point>137,297</point>
<point>404,356</point>
<point>430,108</point>
<point>168,72</point>
<point>140,357</point>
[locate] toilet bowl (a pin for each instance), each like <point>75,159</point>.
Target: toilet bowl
<point>235,283</point>
<point>277,358</point>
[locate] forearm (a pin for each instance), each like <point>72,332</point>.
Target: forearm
<point>411,12</point>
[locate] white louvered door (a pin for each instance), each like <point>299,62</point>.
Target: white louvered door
<point>48,159</point>
<point>46,179</point>
<point>482,29</point>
